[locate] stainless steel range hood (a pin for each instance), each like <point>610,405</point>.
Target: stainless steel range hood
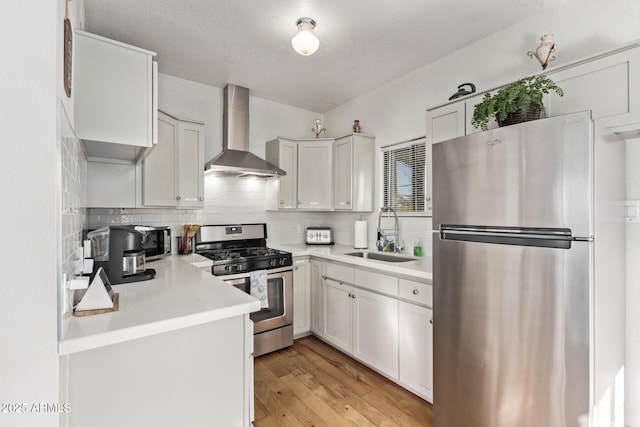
<point>235,158</point>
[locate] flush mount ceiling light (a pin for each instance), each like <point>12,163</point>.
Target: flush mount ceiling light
<point>305,42</point>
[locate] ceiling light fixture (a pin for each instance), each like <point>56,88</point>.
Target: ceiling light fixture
<point>305,41</point>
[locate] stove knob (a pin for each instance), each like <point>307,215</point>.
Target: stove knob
<point>273,262</point>
<point>228,268</point>
<point>282,261</point>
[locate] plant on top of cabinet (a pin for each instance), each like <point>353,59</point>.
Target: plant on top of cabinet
<point>517,102</point>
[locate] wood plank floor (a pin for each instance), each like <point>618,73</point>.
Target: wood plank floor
<point>313,384</point>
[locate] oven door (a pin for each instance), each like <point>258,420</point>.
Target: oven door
<point>279,313</point>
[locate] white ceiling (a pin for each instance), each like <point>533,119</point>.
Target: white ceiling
<point>363,43</point>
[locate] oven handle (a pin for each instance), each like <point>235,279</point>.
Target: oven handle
<point>236,279</point>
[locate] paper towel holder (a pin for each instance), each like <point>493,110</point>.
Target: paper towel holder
<point>360,234</point>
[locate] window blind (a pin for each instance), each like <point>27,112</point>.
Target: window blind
<point>404,177</point>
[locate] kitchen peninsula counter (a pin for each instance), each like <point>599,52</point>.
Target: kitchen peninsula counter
<point>420,269</point>
<point>181,295</point>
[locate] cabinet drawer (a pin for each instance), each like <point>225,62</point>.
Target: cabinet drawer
<point>420,293</point>
<point>338,272</point>
<point>377,282</point>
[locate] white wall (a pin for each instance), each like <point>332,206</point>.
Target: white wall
<point>28,312</point>
<point>396,111</point>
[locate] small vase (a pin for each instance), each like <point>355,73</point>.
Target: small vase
<point>356,126</point>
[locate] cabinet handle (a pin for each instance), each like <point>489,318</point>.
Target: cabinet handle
<point>428,198</point>
<point>431,321</point>
<point>202,199</point>
<point>299,202</point>
<point>416,292</point>
<point>178,198</point>
<point>295,268</point>
<point>282,202</point>
<point>348,202</point>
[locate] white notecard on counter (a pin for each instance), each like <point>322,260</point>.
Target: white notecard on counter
<point>98,295</point>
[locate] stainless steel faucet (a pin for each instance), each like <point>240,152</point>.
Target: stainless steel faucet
<point>387,232</point>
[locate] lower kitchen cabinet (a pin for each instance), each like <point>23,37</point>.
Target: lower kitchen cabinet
<point>338,314</point>
<point>380,320</point>
<point>375,336</point>
<point>176,378</point>
<point>317,304</point>
<point>301,297</point>
<point>416,349</point>
<point>362,323</point>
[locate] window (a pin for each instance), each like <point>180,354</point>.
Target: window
<point>405,177</point>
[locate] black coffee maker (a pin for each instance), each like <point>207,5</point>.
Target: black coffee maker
<point>118,250</point>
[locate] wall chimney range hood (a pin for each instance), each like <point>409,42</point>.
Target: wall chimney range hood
<point>235,158</point>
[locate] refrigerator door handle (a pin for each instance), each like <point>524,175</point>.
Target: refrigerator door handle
<point>560,238</point>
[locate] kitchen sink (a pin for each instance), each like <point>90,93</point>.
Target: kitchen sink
<point>381,256</point>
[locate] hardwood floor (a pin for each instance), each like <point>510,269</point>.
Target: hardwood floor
<point>313,384</point>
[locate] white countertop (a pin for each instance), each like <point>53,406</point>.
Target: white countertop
<point>421,268</point>
<point>180,295</point>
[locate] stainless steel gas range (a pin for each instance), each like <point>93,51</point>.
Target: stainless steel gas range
<point>241,258</point>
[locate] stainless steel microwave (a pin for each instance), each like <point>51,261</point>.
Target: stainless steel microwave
<point>157,241</point>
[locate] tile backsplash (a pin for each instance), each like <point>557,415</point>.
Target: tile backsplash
<point>73,178</point>
<point>232,200</point>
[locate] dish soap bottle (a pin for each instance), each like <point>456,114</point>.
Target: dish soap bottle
<point>417,248</point>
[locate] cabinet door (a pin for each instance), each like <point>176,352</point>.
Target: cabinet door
<point>416,349</point>
<point>376,331</point>
<point>113,91</point>
<point>317,305</point>
<point>158,170</point>
<point>288,161</point>
<point>446,122</point>
<point>343,174</point>
<point>314,175</point>
<point>337,314</point>
<point>301,296</point>
<point>190,164</point>
<point>609,87</point>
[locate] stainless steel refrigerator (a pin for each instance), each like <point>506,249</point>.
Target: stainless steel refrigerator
<point>528,276</point>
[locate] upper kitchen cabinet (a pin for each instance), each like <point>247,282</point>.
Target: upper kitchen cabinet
<point>115,98</point>
<point>446,122</point>
<point>314,172</point>
<point>173,173</point>
<point>353,169</point>
<point>307,185</point>
<point>283,153</point>
<point>608,85</point>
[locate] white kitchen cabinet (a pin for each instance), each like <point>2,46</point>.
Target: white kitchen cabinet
<point>284,153</point>
<point>173,173</point>
<point>180,377</point>
<point>317,304</point>
<point>115,96</point>
<point>353,173</point>
<point>609,86</point>
<point>307,163</point>
<point>375,331</point>
<point>416,349</point>
<point>314,172</point>
<point>446,122</point>
<point>381,320</point>
<point>338,314</point>
<point>301,296</point>
<point>362,322</point>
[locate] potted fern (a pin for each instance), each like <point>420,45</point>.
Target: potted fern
<point>517,102</point>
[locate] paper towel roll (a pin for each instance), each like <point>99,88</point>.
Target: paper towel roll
<point>361,235</point>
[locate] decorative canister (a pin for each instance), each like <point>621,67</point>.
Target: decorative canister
<point>356,126</point>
